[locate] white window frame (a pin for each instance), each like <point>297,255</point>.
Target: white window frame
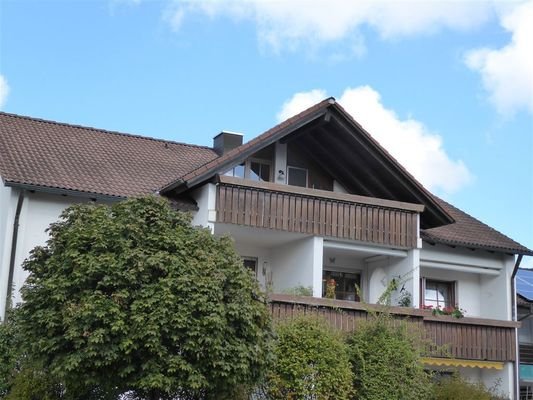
<point>289,167</point>
<point>248,167</point>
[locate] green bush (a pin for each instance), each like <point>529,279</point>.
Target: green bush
<point>311,362</point>
<point>9,355</point>
<point>385,356</point>
<point>456,387</point>
<point>132,298</point>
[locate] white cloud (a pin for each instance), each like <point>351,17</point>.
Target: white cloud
<point>299,102</point>
<point>174,15</point>
<point>418,149</point>
<point>507,73</point>
<point>4,91</point>
<point>311,23</point>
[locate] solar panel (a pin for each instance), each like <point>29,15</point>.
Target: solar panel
<point>524,283</point>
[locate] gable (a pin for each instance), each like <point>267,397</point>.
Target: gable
<point>339,149</point>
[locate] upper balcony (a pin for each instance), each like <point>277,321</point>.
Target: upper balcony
<point>317,212</point>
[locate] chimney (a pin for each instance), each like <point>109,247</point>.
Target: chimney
<point>226,141</point>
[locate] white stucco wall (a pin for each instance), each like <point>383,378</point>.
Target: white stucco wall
<point>280,163</point>
<point>38,211</point>
<point>298,263</point>
<point>205,197</point>
<point>382,270</point>
<point>264,261</point>
<point>483,279</point>
<point>467,288</point>
<point>8,204</point>
<point>496,292</point>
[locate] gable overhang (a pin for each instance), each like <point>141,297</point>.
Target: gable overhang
<point>340,145</point>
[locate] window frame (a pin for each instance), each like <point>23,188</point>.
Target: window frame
<point>248,168</point>
<point>452,290</point>
<point>289,167</point>
<point>358,273</point>
<point>255,260</point>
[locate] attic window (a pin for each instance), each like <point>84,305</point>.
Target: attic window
<point>297,176</point>
<point>260,170</point>
<point>237,171</point>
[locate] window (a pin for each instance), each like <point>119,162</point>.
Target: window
<point>237,171</point>
<point>297,176</point>
<point>345,284</point>
<point>438,293</point>
<point>250,263</point>
<point>525,333</point>
<point>259,170</point>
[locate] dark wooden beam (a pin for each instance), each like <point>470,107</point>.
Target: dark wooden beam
<point>332,167</point>
<point>305,129</point>
<point>340,147</point>
<point>434,214</point>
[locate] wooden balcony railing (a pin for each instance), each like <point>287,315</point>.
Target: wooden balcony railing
<point>317,212</point>
<point>464,338</point>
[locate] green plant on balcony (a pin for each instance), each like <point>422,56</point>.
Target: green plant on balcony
<point>299,290</point>
<point>331,286</point>
<point>454,311</point>
<point>405,299</point>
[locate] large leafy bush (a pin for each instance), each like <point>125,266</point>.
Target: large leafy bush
<point>311,362</point>
<point>132,298</point>
<point>385,356</point>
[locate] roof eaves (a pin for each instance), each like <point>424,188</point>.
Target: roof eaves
<point>62,191</point>
<point>520,250</point>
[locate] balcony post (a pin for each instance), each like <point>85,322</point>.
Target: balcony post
<point>318,265</point>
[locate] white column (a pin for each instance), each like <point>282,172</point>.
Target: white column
<point>280,163</point>
<point>318,265</point>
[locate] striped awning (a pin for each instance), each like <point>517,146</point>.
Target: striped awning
<point>453,362</point>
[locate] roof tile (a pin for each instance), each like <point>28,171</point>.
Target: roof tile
<point>467,231</point>
<point>58,155</point>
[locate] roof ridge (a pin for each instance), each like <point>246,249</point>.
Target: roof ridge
<point>100,130</point>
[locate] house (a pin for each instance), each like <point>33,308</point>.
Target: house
<point>524,301</point>
<point>313,199</point>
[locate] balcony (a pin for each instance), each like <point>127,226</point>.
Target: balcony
<point>466,338</point>
<point>317,212</point>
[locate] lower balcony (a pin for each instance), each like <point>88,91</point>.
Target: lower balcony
<point>470,342</point>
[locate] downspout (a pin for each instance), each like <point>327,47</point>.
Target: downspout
<point>14,239</point>
<point>514,318</point>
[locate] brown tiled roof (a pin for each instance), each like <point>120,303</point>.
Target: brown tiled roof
<point>469,232</point>
<point>63,156</point>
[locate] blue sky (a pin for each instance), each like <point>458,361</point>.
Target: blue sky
<point>446,87</point>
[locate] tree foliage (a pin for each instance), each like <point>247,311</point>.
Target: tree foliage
<point>311,362</point>
<point>131,297</point>
<point>9,355</point>
<point>385,356</point>
<point>456,387</point>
